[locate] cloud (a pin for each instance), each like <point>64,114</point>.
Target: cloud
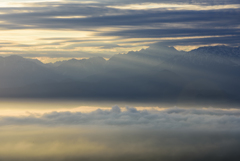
<point>118,26</point>
<point>87,143</point>
<point>123,134</point>
<point>169,119</point>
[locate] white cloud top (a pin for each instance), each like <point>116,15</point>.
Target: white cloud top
<point>173,118</point>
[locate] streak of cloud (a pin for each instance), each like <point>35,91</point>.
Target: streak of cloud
<point>114,23</point>
<point>174,118</point>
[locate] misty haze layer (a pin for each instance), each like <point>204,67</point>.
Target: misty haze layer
<point>162,74</point>
<point>116,134</point>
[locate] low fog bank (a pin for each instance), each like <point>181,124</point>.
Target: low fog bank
<point>129,134</point>
<point>115,144</point>
<point>164,119</point>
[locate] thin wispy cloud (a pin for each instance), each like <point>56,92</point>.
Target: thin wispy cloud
<point>115,23</point>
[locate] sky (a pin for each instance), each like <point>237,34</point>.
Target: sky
<point>121,133</point>
<point>35,127</point>
<point>52,30</point>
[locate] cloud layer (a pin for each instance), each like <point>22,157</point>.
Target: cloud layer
<point>82,28</point>
<point>123,134</point>
<point>169,119</point>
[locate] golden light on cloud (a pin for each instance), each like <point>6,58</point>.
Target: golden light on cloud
<point>20,3</point>
<point>31,36</point>
<point>37,40</point>
<point>63,17</point>
<point>145,105</point>
<point>191,47</point>
<point>171,38</point>
<point>148,6</point>
<point>10,4</point>
<point>50,26</point>
<point>37,107</point>
<point>33,40</point>
<point>53,60</point>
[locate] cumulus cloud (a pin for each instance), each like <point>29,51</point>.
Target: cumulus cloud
<point>123,134</point>
<point>169,119</point>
